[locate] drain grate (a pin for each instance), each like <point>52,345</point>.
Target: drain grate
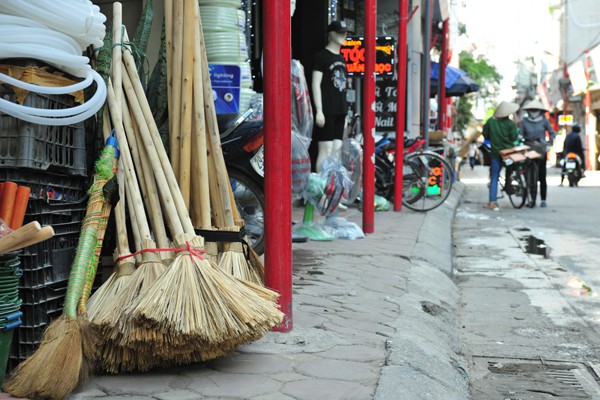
<point>515,379</point>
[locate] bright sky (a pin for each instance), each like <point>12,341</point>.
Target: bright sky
<point>506,31</point>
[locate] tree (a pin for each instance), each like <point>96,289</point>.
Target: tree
<point>488,78</point>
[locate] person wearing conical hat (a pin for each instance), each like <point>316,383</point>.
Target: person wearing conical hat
<point>538,135</point>
<point>501,131</point>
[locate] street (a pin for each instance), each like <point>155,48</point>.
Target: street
<point>529,310</point>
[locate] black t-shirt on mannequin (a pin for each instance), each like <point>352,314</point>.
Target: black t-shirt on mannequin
<point>334,83</point>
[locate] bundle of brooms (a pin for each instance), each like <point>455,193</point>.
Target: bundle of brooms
<point>195,146</point>
<point>194,310</point>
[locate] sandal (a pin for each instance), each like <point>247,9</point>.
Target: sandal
<point>492,206</point>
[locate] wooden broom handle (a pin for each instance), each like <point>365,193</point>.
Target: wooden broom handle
<point>149,194</point>
<point>117,51</point>
<point>45,233</point>
<point>213,132</point>
<point>127,164</point>
<point>122,240</point>
<point>200,161</point>
<point>176,67</point>
<point>156,151</point>
<point>187,86</point>
<point>18,236</point>
<point>170,206</point>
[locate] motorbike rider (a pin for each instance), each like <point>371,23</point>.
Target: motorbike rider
<point>573,145</point>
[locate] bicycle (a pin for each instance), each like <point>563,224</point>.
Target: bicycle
<point>427,177</point>
<point>520,180</point>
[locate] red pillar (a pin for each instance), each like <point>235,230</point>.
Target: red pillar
<point>442,103</point>
<point>589,139</point>
<point>278,163</point>
<point>401,108</point>
<point>369,118</point>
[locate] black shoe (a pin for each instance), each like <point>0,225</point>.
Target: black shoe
<point>531,204</point>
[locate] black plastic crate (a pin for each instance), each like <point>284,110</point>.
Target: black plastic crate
<point>43,294</point>
<point>54,190</point>
<point>41,312</point>
<point>43,147</point>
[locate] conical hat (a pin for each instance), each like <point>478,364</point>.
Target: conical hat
<point>534,105</point>
<point>505,109</point>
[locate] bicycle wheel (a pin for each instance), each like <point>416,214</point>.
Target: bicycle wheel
<point>531,177</point>
<point>428,179</point>
<point>517,188</point>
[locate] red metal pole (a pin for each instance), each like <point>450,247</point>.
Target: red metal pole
<point>401,106</point>
<point>369,119</point>
<point>442,104</point>
<point>278,163</point>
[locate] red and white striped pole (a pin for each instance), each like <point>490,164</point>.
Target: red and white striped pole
<point>278,163</point>
<point>369,118</point>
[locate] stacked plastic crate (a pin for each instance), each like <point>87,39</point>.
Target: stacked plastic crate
<point>51,160</point>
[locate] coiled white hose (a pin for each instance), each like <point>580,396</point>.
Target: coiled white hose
<point>56,32</point>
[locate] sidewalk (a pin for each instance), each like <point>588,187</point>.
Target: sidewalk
<point>373,319</point>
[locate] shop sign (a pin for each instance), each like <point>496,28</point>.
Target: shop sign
<point>565,120</point>
<point>385,104</point>
<point>225,81</point>
<point>353,51</point>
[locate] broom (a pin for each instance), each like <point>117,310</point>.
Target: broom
<point>232,260</point>
<point>193,298</point>
<point>61,346</point>
<point>124,266</point>
<point>111,355</point>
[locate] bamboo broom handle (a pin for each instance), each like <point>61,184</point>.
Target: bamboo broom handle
<point>168,6</point>
<point>215,198</point>
<point>176,65</point>
<point>155,148</point>
<point>213,133</point>
<point>133,194</point>
<point>187,76</point>
<point>163,172</point>
<point>117,52</point>
<point>149,193</point>
<point>200,160</point>
<point>122,240</point>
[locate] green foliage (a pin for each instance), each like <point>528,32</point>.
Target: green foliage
<point>140,40</point>
<point>462,29</point>
<point>488,78</point>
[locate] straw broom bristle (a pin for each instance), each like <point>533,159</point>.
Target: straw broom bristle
<point>234,262</point>
<point>104,296</point>
<point>210,307</point>
<point>60,350</point>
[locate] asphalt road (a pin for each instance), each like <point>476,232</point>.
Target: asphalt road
<point>529,282</point>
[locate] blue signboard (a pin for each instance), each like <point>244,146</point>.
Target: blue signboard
<point>225,81</point>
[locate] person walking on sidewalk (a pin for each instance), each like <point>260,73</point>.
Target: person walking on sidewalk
<point>501,131</point>
<point>473,151</point>
<point>535,129</point>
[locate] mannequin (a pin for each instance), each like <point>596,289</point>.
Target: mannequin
<point>329,84</point>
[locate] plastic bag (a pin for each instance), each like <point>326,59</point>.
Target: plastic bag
<point>382,204</point>
<point>326,189</point>
<point>256,104</point>
<point>302,114</point>
<point>352,159</point>
<point>344,229</point>
<point>300,166</point>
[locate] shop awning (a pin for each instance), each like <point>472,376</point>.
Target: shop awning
<point>458,82</point>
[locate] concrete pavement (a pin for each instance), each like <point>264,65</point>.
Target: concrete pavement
<point>373,319</point>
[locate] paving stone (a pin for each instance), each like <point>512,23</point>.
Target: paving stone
<point>356,353</point>
<point>252,364</point>
<point>337,369</point>
<point>236,386</point>
<point>327,389</point>
<point>287,377</point>
<point>177,395</point>
<point>136,384</point>
<point>277,396</point>
<point>88,391</point>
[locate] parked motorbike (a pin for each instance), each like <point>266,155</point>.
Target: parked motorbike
<point>242,146</point>
<point>572,169</point>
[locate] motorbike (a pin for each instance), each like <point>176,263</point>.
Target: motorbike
<point>572,169</point>
<point>242,146</point>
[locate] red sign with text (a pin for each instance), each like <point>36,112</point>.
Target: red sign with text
<point>353,51</point>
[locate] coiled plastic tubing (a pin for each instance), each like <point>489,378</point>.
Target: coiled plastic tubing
<point>56,32</point>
